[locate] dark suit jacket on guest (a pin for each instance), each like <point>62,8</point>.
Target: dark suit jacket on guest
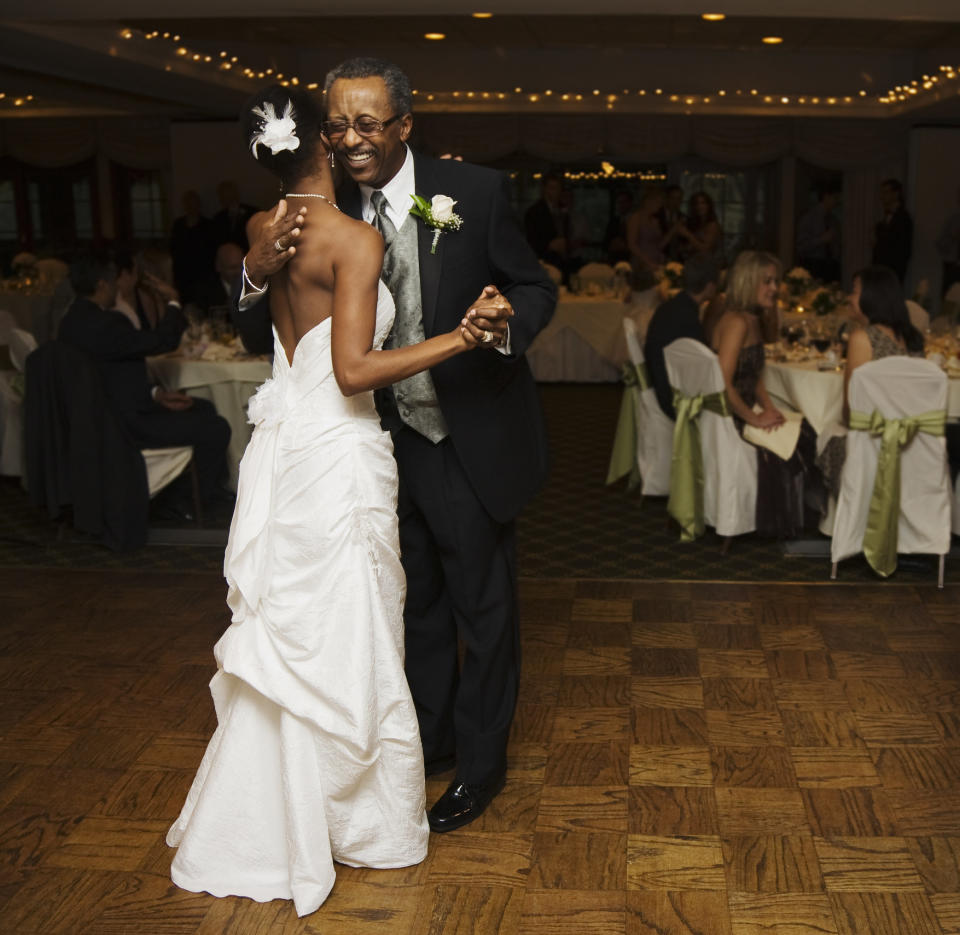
<point>489,400</point>
<point>894,242</point>
<point>676,318</point>
<point>120,351</point>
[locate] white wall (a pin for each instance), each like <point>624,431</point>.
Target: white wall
<point>931,198</point>
<point>207,153</point>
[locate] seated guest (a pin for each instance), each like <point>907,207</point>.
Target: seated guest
<point>229,224</point>
<point>191,245</point>
<point>615,238</point>
<point>750,319</point>
<point>877,304</point>
<point>678,317</point>
<point>221,289</point>
<point>154,417</point>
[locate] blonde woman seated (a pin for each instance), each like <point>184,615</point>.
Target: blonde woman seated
<point>877,305</point>
<point>750,319</point>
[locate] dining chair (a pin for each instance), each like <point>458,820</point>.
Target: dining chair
<point>729,464</point>
<point>895,492</point>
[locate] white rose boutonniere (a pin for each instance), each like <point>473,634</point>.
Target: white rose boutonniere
<point>437,213</point>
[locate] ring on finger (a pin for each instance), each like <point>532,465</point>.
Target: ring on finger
<point>488,337</point>
<point>279,247</point>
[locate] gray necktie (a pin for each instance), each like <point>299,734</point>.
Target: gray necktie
<point>415,396</point>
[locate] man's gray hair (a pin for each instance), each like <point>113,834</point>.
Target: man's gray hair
<point>398,85</point>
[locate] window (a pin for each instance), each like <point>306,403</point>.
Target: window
<point>9,230</point>
<point>147,207</point>
<point>82,210</point>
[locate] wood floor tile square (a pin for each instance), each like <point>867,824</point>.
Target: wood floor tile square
<point>742,811</point>
<point>670,863</point>
<point>859,864</point>
<point>745,727</point>
<point>28,836</point>
<point>770,863</point>
<point>661,611</point>
<point>935,665</point>
<point>272,918</point>
<point>884,696</point>
<point>539,689</point>
<point>543,660</point>
<point>107,844</point>
<point>614,610</point>
<point>822,728</point>
<point>65,792</point>
<point>501,859</point>
<point>862,811</point>
<point>722,612</point>
<point>542,635</point>
<point>888,729</point>
<point>678,635</point>
<point>925,811</point>
<point>574,860</point>
<point>526,762</point>
<point>585,635</point>
<point>938,861</point>
<point>445,909</point>
<point>733,663</point>
<point>947,724</point>
<point>755,767</point>
<point>853,665</point>
<point>800,637</point>
<point>532,723</point>
<point>672,810</point>
<point>668,727</point>
<point>855,639</point>
<point>36,746</point>
<point>583,808</point>
<point>105,749</point>
<point>593,691</point>
<point>670,766</point>
<point>569,912</point>
<point>650,692</point>
<point>597,660</point>
<point>690,912</point>
<point>800,664</point>
<point>787,913</point>
<point>938,694</point>
<point>738,694</point>
<point>946,906</point>
<point>514,809</point>
<point>917,767</point>
<point>833,767</point>
<point>591,725</point>
<point>664,662</point>
<point>884,914</point>
<point>726,636</point>
<point>809,695</point>
<point>172,751</point>
<point>146,793</point>
<point>915,636</point>
<point>587,764</point>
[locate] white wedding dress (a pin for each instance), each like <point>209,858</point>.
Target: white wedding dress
<point>317,756</point>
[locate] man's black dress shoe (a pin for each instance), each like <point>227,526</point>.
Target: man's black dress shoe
<point>462,802</point>
<point>439,764</point>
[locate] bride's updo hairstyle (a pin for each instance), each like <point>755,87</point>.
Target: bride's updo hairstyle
<point>282,129</point>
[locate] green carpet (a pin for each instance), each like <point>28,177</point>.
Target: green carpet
<point>575,528</point>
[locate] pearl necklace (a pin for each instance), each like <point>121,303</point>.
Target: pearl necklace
<point>312,195</point>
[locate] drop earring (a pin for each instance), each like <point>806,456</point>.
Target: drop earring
<point>333,161</point>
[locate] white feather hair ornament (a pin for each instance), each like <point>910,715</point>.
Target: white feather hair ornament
<point>278,133</point>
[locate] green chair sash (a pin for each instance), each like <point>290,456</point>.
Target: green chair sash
<point>623,458</point>
<point>686,468</point>
<point>880,537</point>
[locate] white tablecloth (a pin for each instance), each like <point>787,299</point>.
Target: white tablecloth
<point>228,384</point>
<point>584,341</point>
<point>818,394</point>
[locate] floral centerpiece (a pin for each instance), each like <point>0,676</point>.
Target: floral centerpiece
<point>797,281</point>
<point>824,300</point>
<point>669,277</point>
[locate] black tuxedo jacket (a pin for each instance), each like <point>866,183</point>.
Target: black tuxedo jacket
<point>488,399</point>
<point>676,318</point>
<point>120,351</point>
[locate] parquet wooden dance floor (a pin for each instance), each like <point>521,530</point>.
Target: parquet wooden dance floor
<point>687,759</point>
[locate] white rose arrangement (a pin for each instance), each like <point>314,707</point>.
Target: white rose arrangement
<point>437,213</point>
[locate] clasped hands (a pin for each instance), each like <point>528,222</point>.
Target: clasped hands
<point>487,320</point>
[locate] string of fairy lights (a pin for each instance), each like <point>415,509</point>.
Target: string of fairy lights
<point>915,93</point>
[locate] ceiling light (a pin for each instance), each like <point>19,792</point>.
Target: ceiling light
<point>713,17</point>
<point>435,36</point>
<point>481,15</point>
<point>772,40</point>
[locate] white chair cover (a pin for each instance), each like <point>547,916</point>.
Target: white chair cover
<point>22,345</point>
<point>729,463</point>
<point>165,465</point>
<point>11,425</point>
<point>7,324</point>
<point>600,273</point>
<point>555,275</point>
<point>896,387</point>
<point>919,316</point>
<point>654,429</point>
<point>956,507</point>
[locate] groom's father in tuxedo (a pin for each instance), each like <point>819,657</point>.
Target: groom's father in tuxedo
<point>468,435</point>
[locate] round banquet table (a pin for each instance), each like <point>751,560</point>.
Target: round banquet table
<point>584,341</point>
<point>818,394</point>
<point>228,384</point>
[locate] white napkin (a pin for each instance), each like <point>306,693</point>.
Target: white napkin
<point>782,440</point>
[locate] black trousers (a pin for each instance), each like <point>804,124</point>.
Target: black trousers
<point>199,426</point>
<point>461,591</point>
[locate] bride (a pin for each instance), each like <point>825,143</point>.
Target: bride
<point>316,757</point>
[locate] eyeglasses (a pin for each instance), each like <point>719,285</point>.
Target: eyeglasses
<point>362,126</point>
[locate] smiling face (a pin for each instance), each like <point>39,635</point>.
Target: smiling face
<point>767,289</point>
<point>377,159</point>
